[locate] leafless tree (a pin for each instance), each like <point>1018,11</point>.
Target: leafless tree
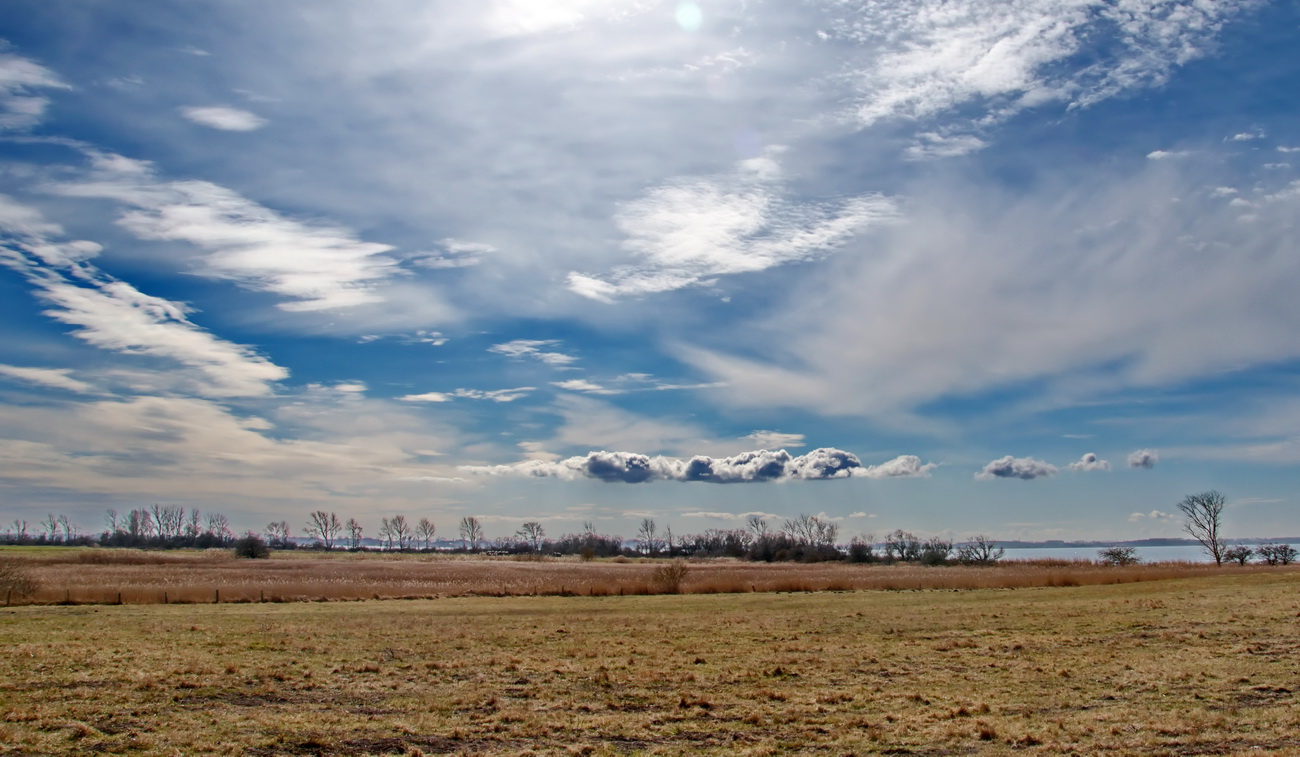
<point>812,530</point>
<point>425,531</point>
<point>980,550</point>
<point>323,527</point>
<point>532,533</point>
<point>471,532</point>
<point>354,533</point>
<point>277,533</point>
<point>1239,554</point>
<point>139,523</point>
<point>757,526</point>
<point>168,520</point>
<point>1203,518</point>
<point>649,538</point>
<point>110,520</point>
<point>401,531</point>
<point>902,546</point>
<point>386,533</point>
<point>194,524</point>
<point>1277,554</point>
<point>68,527</point>
<point>219,526</point>
<point>51,527</point>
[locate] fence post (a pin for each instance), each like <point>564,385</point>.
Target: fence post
<point>217,597</point>
<point>119,597</point>
<point>263,595</point>
<point>164,597</point>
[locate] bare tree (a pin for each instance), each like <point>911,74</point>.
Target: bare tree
<point>533,534</point>
<point>386,533</point>
<point>1239,554</point>
<point>471,532</point>
<point>1203,514</point>
<point>219,526</point>
<point>194,524</point>
<point>139,523</point>
<point>277,533</point>
<point>980,550</point>
<point>68,527</point>
<point>354,533</point>
<point>648,536</point>
<point>110,520</point>
<point>757,526</point>
<point>323,527</point>
<point>19,527</point>
<point>424,531</point>
<point>1118,556</point>
<point>1277,554</point>
<point>401,531</point>
<point>812,530</point>
<point>902,546</point>
<point>51,527</point>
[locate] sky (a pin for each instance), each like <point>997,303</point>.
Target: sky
<point>1025,269</point>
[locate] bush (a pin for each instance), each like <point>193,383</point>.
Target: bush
<point>861,551</point>
<point>251,547</point>
<point>1277,554</point>
<point>668,578</point>
<point>1238,554</point>
<point>16,580</point>
<point>1119,556</point>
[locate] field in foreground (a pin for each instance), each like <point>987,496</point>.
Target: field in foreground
<point>1206,665</point>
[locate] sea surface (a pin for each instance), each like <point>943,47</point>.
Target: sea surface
<point>1180,553</point>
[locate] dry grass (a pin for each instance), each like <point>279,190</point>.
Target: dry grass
<point>1206,665</point>
<point>103,576</point>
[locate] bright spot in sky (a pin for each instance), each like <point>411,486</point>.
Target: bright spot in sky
<point>689,16</point>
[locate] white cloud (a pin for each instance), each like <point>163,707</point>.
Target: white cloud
<point>1026,468</point>
<point>426,397</point>
<point>922,58</point>
<point>316,267</point>
<point>19,77</point>
<point>54,378</point>
<point>774,439</point>
<point>1167,154</point>
<point>932,145</point>
<point>495,395</point>
<point>584,386</point>
<point>715,515</point>
<point>111,314</point>
<point>454,254</point>
<point>532,348</point>
<point>1088,463</point>
<point>747,467</point>
<point>690,232</point>
<point>1144,458</point>
<point>224,118</point>
<point>1068,290</point>
<point>1154,515</point>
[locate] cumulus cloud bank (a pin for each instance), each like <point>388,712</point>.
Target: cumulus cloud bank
<point>1026,468</point>
<point>748,467</point>
<point>1144,458</point>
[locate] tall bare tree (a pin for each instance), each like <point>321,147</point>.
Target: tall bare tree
<point>324,527</point>
<point>277,533</point>
<point>425,531</point>
<point>194,524</point>
<point>219,526</point>
<point>354,533</point>
<point>648,535</point>
<point>386,533</point>
<point>110,520</point>
<point>532,533</point>
<point>401,531</point>
<point>471,532</point>
<point>1203,518</point>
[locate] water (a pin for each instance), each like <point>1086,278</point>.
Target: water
<point>1181,553</point>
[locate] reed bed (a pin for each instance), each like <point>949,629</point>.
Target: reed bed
<point>101,576</point>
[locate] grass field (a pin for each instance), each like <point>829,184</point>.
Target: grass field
<point>1206,665</point>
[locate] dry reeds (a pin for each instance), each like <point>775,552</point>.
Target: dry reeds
<point>98,576</point>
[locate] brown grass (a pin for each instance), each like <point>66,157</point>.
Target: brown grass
<point>104,576</point>
<point>1206,665</point>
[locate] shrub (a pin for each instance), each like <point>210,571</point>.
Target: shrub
<point>1117,555</point>
<point>1238,554</point>
<point>250,546</point>
<point>860,551</point>
<point>936,551</point>
<point>668,578</point>
<point>1277,554</point>
<point>16,580</point>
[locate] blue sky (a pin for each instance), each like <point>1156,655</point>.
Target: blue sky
<point>1024,269</point>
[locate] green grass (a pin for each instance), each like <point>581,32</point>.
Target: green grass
<point>1204,665</point>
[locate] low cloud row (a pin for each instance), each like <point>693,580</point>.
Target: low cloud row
<point>748,467</point>
<point>1028,468</point>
